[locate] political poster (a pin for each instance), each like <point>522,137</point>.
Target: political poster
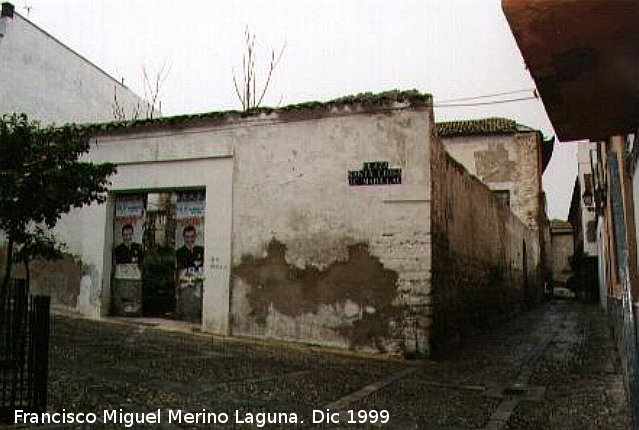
<point>128,253</point>
<point>189,236</point>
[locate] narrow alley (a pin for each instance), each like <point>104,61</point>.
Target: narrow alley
<point>551,368</point>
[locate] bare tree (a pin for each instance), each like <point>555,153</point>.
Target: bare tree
<point>152,87</point>
<point>152,82</point>
<point>119,112</point>
<point>247,89</point>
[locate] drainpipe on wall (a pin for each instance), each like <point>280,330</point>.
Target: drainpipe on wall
<point>5,13</point>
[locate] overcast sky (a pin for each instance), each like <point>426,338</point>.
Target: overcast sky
<point>452,49</point>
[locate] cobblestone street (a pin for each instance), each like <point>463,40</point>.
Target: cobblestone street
<point>552,368</point>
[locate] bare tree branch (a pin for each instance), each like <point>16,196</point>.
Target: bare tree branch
<point>273,65</point>
<point>153,87</point>
<point>119,112</point>
<point>248,91</point>
<point>116,106</point>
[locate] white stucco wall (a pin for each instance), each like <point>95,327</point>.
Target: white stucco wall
<point>49,82</point>
<point>285,179</point>
<point>146,163</point>
<point>291,186</point>
<point>584,167</point>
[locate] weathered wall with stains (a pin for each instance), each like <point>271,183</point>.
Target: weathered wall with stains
<point>504,162</point>
<point>562,252</point>
<point>58,279</point>
<point>292,251</point>
<point>319,261</point>
<point>485,262</point>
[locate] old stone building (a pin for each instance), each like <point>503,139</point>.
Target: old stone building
<point>343,223</point>
<point>508,157</point>
<point>487,261</point>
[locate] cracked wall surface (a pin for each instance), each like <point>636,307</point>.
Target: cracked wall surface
<point>318,260</point>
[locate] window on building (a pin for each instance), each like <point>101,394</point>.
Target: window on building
<point>503,196</point>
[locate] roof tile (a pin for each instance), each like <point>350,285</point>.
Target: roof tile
<point>472,127</point>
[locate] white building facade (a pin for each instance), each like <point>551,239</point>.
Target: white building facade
<point>51,83</point>
<point>310,223</point>
<point>315,228</point>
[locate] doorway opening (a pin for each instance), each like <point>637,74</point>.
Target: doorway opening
<point>158,259</point>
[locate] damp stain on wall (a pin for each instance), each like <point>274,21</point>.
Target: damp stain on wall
<point>59,279</point>
<point>361,279</point>
<point>493,164</point>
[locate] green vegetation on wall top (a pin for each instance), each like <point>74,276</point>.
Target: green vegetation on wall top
<point>413,97</point>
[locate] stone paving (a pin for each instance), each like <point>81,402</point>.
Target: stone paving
<point>551,368</point>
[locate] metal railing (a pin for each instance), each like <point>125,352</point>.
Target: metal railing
<point>24,347</point>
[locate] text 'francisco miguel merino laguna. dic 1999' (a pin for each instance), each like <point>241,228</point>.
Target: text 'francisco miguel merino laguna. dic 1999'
<point>178,416</point>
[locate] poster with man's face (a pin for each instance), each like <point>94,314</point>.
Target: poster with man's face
<point>128,251</point>
<point>189,236</point>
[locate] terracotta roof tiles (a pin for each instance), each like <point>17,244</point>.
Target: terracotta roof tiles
<point>471,127</point>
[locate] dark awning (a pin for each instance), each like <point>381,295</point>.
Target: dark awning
<point>584,58</point>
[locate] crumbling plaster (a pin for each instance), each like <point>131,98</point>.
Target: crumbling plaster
<point>506,162</point>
